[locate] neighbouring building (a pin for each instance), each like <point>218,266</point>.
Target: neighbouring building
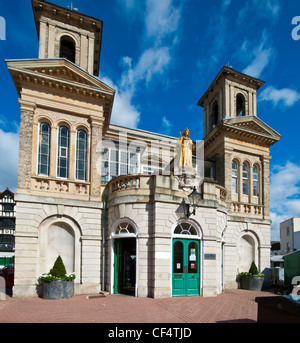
<point>112,201</point>
<point>290,235</point>
<point>7,227</point>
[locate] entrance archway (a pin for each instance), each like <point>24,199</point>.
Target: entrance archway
<point>124,257</point>
<point>186,271</point>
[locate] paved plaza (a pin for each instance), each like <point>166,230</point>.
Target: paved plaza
<point>233,306</point>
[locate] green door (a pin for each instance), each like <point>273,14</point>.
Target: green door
<point>118,266</point>
<point>125,266</point>
<point>186,268</point>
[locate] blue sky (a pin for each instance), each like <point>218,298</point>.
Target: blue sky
<point>161,55</point>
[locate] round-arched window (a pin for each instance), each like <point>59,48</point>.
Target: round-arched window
<point>185,228</point>
<point>240,105</point>
<point>124,228</point>
<point>67,48</point>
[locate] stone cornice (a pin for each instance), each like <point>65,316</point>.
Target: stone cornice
<point>249,129</point>
<point>63,77</point>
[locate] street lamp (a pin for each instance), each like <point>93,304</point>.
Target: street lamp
<point>193,201</point>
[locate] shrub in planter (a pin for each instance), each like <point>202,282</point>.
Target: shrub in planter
<point>57,284</point>
<point>252,280</point>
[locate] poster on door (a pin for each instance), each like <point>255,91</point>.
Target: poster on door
<point>193,255</point>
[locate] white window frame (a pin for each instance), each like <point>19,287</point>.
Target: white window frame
<point>39,149</point>
<point>119,162</point>
<point>64,155</point>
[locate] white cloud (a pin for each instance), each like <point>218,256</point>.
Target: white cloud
<point>286,95</point>
<point>166,126</point>
<point>153,61</point>
<point>284,194</point>
<point>267,9</point>
<point>9,153</point>
<point>162,19</point>
<point>262,55</point>
<point>161,22</point>
<point>124,113</point>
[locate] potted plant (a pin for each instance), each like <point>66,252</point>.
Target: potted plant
<point>57,284</point>
<point>252,280</point>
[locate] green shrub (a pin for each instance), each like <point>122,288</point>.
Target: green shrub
<point>58,272</point>
<point>58,269</point>
<point>253,269</point>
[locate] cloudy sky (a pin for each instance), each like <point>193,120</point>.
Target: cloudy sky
<point>161,55</point>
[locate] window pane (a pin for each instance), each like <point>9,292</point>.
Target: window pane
<point>124,157</point>
<point>245,179</point>
<point>193,259</point>
<point>44,149</point>
<point>63,152</point>
<point>178,257</point>
<point>81,155</point>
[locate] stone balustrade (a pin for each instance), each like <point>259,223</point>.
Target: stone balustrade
<point>66,187</point>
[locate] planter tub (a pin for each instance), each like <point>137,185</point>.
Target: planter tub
<point>53,290</point>
<point>68,287</point>
<point>58,289</point>
<point>252,283</point>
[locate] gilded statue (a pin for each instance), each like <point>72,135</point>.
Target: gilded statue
<point>185,150</point>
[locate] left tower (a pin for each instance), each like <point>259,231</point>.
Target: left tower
<point>65,111</point>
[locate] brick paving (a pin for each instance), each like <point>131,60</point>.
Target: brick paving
<point>233,306</point>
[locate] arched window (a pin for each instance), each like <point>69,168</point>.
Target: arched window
<point>124,228</point>
<point>67,48</point>
<point>81,155</point>
<point>44,149</point>
<point>215,114</point>
<point>234,177</point>
<point>245,178</point>
<point>240,105</point>
<point>63,152</point>
<point>255,181</point>
<point>185,228</point>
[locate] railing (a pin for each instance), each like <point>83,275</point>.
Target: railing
<point>125,183</point>
<point>247,208</point>
<point>71,187</point>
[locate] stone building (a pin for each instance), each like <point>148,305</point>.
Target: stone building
<point>108,199</point>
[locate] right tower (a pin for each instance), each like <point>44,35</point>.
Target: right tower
<point>238,142</point>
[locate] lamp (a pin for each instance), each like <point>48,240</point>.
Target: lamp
<point>193,201</point>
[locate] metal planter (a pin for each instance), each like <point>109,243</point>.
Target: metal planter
<point>58,289</point>
<point>252,283</point>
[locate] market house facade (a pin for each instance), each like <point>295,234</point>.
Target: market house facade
<point>112,201</point>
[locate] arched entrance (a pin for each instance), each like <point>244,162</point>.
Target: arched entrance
<point>124,258</point>
<point>186,271</point>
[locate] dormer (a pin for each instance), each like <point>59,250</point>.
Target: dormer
<point>231,95</point>
<point>64,33</point>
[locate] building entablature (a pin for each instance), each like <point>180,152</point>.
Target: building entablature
<point>248,129</point>
<point>63,80</point>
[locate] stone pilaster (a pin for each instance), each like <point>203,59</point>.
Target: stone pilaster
<point>95,161</point>
<point>266,186</point>
<point>25,145</point>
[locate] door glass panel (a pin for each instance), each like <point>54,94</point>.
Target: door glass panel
<point>178,257</point>
<point>193,260</point>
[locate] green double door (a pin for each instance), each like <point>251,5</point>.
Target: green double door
<point>186,267</point>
